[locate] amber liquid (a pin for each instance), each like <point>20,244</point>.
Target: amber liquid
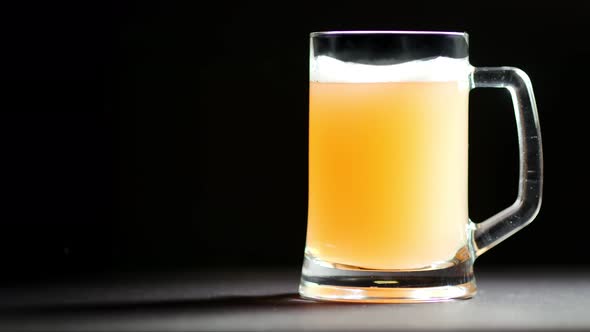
<point>387,173</point>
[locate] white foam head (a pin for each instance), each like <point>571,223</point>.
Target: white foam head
<point>329,70</point>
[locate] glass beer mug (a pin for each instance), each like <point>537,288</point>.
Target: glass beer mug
<point>388,143</point>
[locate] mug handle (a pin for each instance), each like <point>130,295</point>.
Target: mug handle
<point>502,225</point>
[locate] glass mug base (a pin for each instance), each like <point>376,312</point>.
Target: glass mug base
<point>453,280</point>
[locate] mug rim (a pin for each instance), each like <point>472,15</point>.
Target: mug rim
<point>387,32</point>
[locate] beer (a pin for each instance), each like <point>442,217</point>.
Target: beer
<point>387,172</point>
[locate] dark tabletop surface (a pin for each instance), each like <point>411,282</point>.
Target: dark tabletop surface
<point>550,298</point>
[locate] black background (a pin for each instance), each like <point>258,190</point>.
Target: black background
<point>173,135</point>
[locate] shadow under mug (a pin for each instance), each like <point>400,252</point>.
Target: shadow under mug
<point>388,155</point>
